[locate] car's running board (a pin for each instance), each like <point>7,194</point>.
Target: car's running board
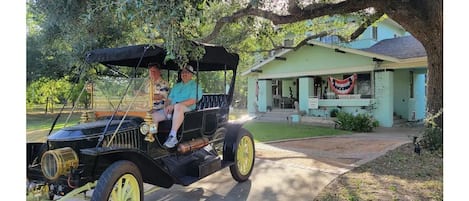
<point>190,179</point>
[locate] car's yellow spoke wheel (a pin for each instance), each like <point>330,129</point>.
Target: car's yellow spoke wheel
<point>245,155</point>
<point>125,189</point>
<point>122,181</point>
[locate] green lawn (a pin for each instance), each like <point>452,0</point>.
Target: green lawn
<point>40,121</point>
<point>271,131</point>
<point>262,131</point>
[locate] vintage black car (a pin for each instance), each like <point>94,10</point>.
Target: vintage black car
<point>115,148</point>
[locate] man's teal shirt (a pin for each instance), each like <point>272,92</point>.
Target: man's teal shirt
<point>183,91</point>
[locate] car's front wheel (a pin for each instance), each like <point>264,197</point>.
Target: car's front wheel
<point>120,181</point>
<point>244,156</point>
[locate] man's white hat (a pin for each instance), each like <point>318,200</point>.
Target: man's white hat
<point>190,69</point>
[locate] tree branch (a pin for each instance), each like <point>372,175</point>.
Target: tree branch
<point>296,13</point>
<point>365,25</point>
<point>298,46</point>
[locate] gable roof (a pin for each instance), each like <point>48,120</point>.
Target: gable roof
<point>401,48</point>
<point>396,50</point>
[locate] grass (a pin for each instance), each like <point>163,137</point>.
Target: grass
<point>270,131</point>
<point>262,131</point>
<point>41,121</point>
<point>398,175</point>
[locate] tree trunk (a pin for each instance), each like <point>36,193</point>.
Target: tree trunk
<point>435,84</point>
<point>424,20</point>
<point>47,103</point>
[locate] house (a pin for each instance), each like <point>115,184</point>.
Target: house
<point>382,73</point>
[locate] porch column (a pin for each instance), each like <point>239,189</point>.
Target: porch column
<point>384,96</point>
<point>252,100</point>
<point>265,95</point>
<point>306,90</point>
<point>420,97</point>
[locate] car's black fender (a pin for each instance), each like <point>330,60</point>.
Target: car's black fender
<point>152,172</point>
<point>34,151</point>
<point>230,141</point>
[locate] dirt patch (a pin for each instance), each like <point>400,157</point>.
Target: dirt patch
<point>329,152</point>
<point>401,174</point>
<point>340,145</point>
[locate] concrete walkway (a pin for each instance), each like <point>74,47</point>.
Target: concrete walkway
<point>290,170</point>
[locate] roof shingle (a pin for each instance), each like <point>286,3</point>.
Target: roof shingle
<point>402,48</point>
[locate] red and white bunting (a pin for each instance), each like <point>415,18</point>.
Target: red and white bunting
<point>342,87</point>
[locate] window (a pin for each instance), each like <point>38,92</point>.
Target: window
<point>362,85</point>
<point>411,84</point>
<point>330,39</point>
<point>375,33</point>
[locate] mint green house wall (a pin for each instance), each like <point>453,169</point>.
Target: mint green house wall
<point>385,30</point>
<point>384,92</point>
<point>306,90</point>
<point>411,109</point>
<point>420,95</point>
<point>402,96</point>
<point>265,94</point>
<point>315,58</point>
<point>252,102</point>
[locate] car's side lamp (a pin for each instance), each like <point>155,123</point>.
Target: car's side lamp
<point>144,128</point>
<point>148,128</point>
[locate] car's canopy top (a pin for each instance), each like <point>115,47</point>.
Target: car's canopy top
<point>215,58</point>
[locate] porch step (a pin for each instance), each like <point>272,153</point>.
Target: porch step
<point>275,115</point>
<point>400,121</point>
<point>403,123</point>
<point>273,119</point>
<point>328,122</point>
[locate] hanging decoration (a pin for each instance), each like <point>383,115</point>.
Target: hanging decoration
<point>342,87</point>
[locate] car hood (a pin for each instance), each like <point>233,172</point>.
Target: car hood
<point>91,129</point>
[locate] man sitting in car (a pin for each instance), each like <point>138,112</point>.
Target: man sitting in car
<point>182,98</point>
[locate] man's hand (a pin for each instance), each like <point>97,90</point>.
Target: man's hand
<point>168,109</point>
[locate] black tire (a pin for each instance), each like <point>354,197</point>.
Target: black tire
<point>123,170</point>
<point>244,156</point>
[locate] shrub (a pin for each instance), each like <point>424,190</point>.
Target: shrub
<point>334,112</point>
<point>432,139</point>
<point>359,123</point>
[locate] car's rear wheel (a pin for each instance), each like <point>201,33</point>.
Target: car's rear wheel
<point>120,181</point>
<point>244,156</point>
